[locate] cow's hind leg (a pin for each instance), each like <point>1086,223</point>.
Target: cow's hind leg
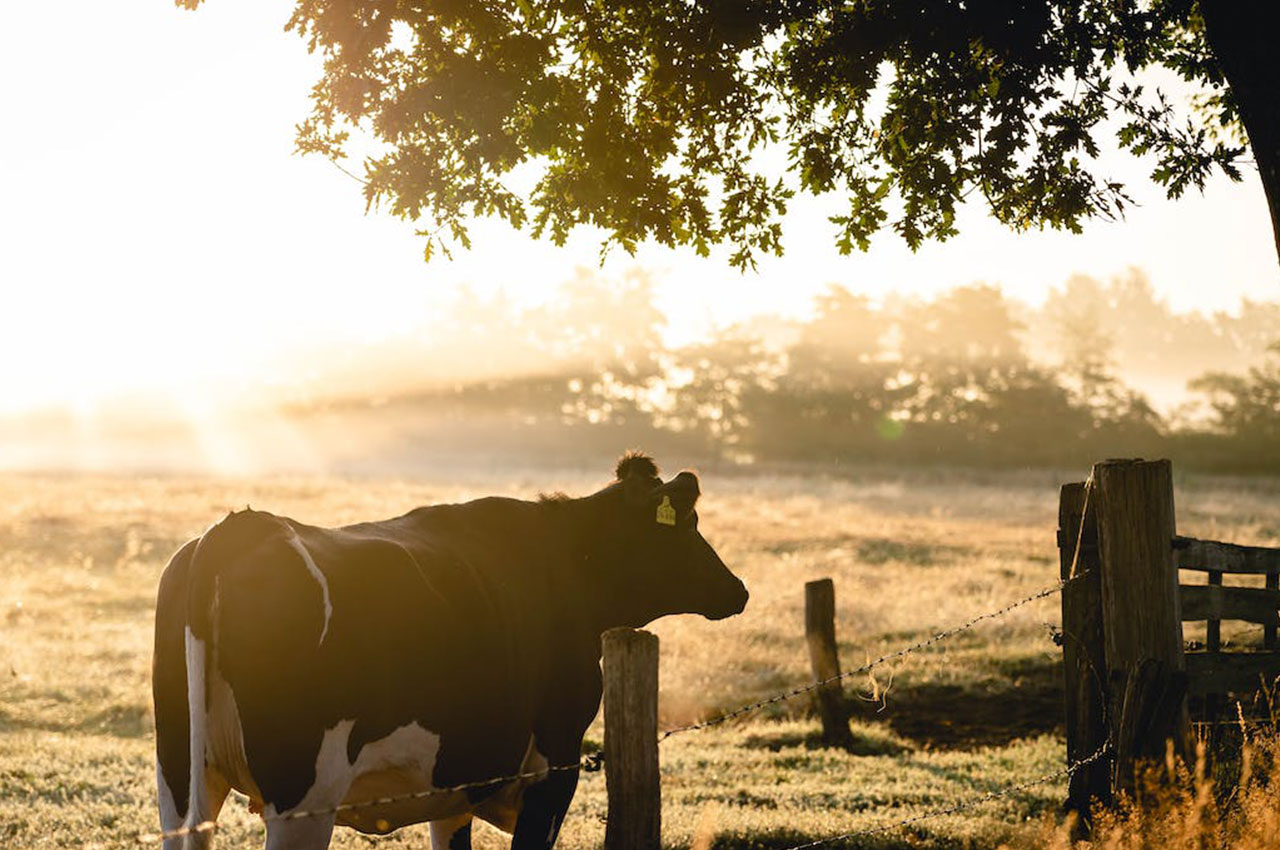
<point>183,836</point>
<point>451,833</point>
<point>542,811</point>
<point>305,833</point>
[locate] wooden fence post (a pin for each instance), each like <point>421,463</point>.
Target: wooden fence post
<point>1083,652</point>
<point>632,781</point>
<point>824,656</point>
<point>1142,617</point>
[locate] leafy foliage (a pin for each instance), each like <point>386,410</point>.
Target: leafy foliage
<point>668,120</point>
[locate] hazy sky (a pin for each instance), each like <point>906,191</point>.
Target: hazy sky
<point>158,231</point>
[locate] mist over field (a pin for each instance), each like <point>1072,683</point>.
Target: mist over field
<point>970,377</point>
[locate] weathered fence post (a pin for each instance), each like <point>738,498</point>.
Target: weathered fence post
<point>631,740</point>
<point>1142,618</point>
<point>824,656</point>
<point>1083,652</point>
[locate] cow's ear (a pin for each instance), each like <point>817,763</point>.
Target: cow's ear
<point>684,492</point>
<point>639,476</point>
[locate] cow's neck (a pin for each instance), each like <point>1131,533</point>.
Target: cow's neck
<point>606,600</point>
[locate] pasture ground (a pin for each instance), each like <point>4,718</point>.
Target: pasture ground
<point>911,553</point>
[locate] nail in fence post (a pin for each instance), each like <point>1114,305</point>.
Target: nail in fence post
<point>631,740</point>
<point>1142,627</point>
<point>820,633</point>
<point>1083,655</point>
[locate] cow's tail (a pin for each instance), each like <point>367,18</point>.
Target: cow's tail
<point>222,544</point>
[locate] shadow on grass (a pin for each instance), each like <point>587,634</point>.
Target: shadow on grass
<point>1027,702</point>
<point>863,744</point>
<point>901,839</point>
<point>877,550</point>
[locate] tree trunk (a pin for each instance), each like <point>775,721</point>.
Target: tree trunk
<point>1243,35</point>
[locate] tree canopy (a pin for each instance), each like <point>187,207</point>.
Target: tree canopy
<point>694,123</point>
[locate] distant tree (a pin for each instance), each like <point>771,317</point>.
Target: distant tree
<point>1088,318</point>
<point>958,351</point>
<point>605,335</point>
<point>716,385</point>
<point>644,118</point>
<point>834,397</point>
<point>1247,407</point>
<point>1078,314</point>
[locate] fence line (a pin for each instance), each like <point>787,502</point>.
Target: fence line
<point>960,807</point>
<point>870,665</point>
<point>593,762</point>
<point>590,764</point>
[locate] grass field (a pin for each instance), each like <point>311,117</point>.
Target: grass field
<point>910,553</point>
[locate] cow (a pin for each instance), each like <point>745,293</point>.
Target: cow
<point>318,669</point>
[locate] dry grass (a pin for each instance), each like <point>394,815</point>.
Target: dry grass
<point>1176,808</point>
<point>910,553</point>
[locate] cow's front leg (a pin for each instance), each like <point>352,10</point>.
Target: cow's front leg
<point>451,833</point>
<point>304,833</point>
<point>542,811</point>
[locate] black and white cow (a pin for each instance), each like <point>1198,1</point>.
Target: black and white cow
<point>311,667</point>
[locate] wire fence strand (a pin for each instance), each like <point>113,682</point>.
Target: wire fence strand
<point>590,764</point>
<point>870,665</point>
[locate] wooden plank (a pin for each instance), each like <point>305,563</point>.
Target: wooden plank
<point>1151,699</point>
<point>1214,603</point>
<point>820,634</point>
<point>632,780</point>
<point>1193,554</point>
<point>1139,584</point>
<point>1083,653</point>
<point>1231,672</point>
<point>1212,600</point>
<point>1269,633</point>
<point>1142,619</point>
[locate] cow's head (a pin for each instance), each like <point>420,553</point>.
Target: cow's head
<point>660,563</point>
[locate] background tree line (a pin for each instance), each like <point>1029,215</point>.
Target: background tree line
<point>970,376</point>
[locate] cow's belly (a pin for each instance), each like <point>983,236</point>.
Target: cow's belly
<point>389,785</point>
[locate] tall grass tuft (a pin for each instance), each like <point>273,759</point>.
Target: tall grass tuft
<point>1227,801</point>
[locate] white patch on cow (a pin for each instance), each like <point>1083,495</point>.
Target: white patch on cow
<point>333,771</point>
<point>170,819</point>
<point>399,764</point>
<point>296,543</point>
<point>409,747</point>
<point>197,796</point>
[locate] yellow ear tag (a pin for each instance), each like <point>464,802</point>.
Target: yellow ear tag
<point>666,513</point>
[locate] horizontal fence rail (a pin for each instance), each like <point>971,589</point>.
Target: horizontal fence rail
<point>1215,602</point>
<point>1212,555</point>
<point>1232,672</point>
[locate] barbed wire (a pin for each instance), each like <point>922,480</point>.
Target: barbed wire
<point>871,665</point>
<point>589,764</point>
<point>960,807</point>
